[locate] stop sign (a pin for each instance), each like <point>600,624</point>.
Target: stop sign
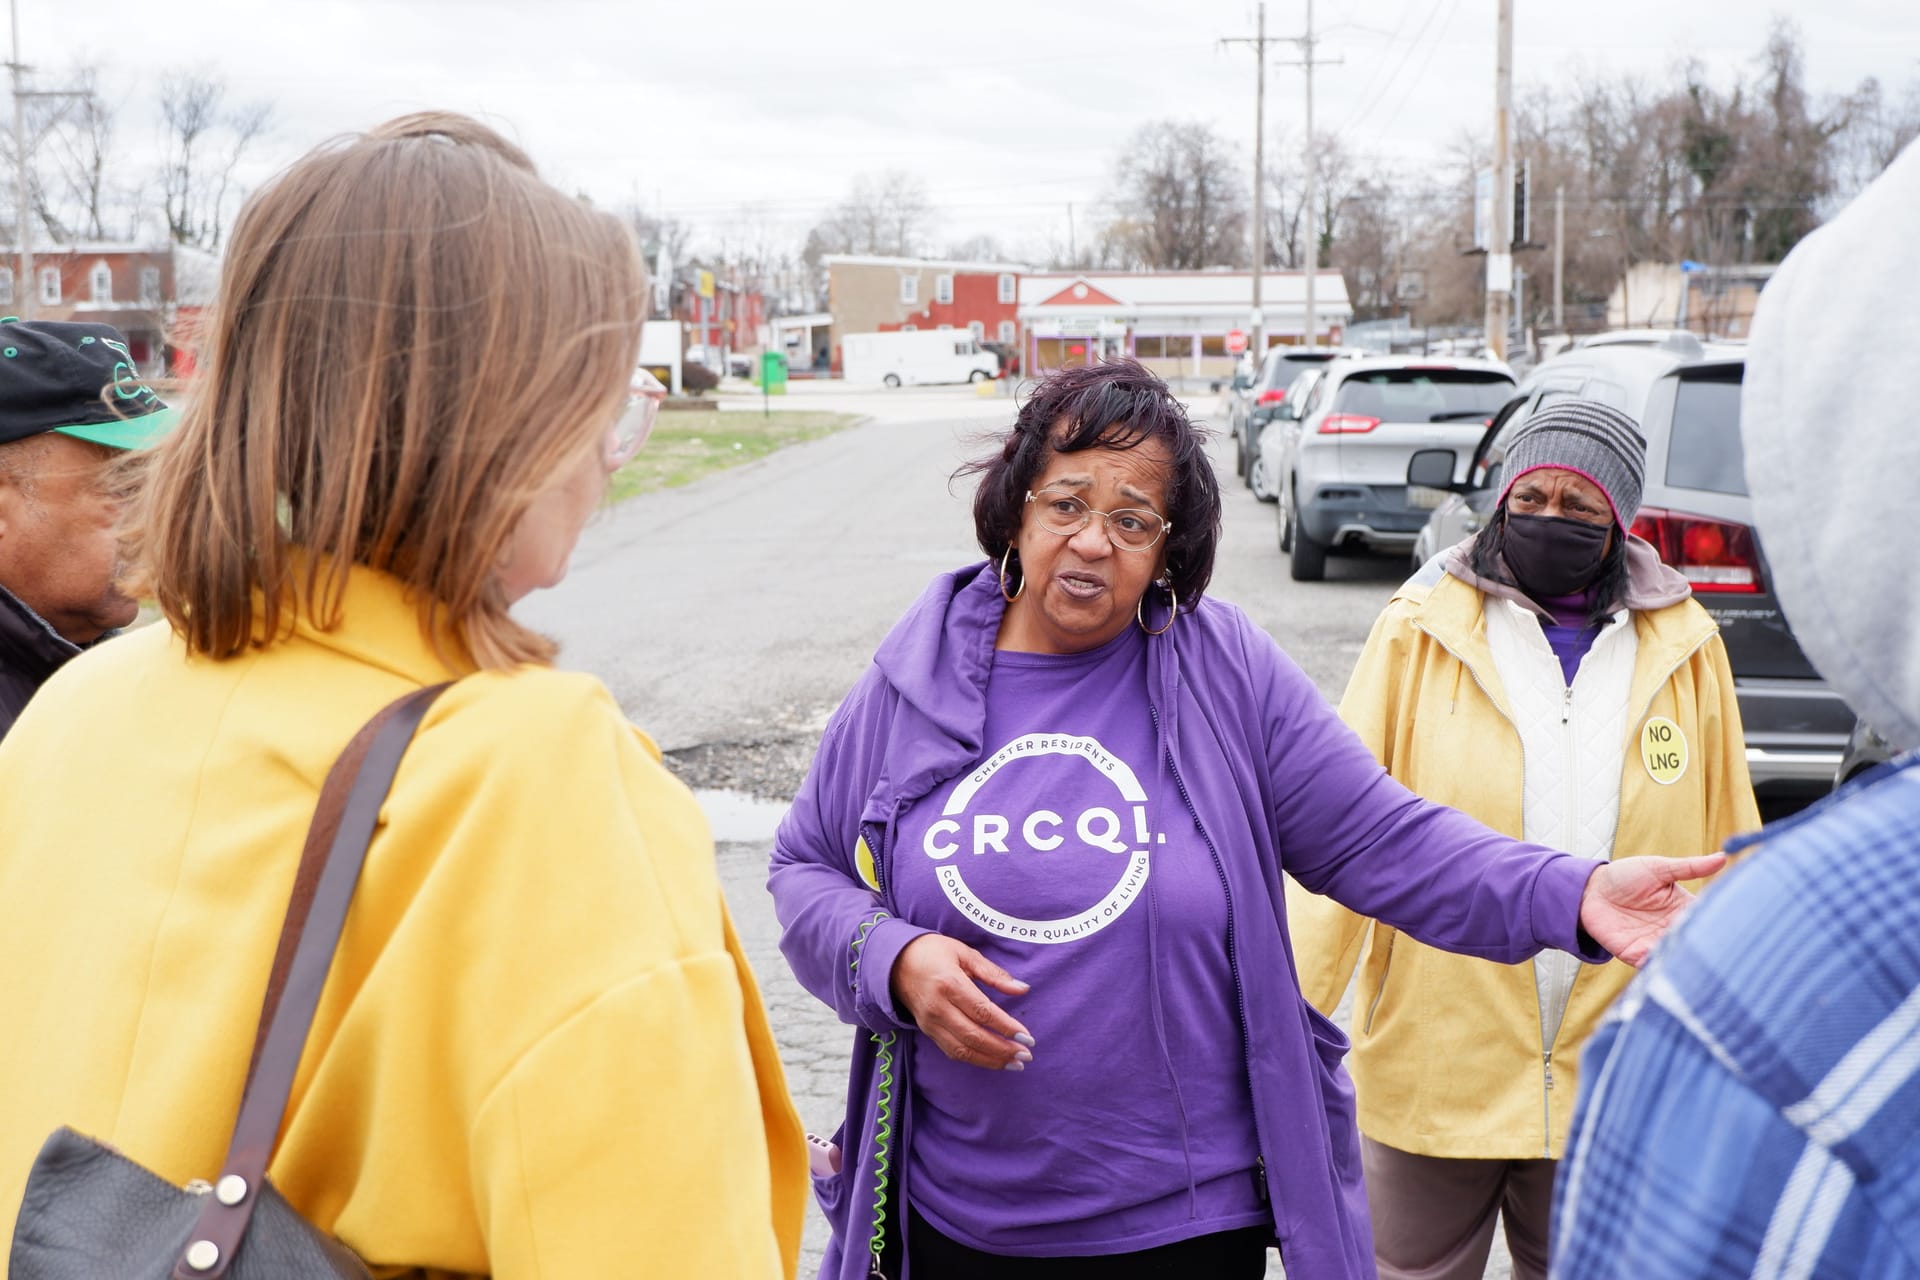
<point>1236,342</point>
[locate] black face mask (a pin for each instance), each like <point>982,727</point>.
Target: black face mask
<point>1554,556</point>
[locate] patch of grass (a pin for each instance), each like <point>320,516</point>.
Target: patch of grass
<point>690,443</point>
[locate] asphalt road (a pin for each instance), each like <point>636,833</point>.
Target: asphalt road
<point>730,616</point>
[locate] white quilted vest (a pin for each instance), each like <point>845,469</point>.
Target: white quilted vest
<point>1573,741</point>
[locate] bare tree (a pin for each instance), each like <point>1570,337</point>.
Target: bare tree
<point>977,248</point>
<point>888,213</point>
<point>1179,189</point>
<point>205,144</point>
<point>657,231</point>
<point>45,119</point>
<point>82,159</point>
<point>1880,126</point>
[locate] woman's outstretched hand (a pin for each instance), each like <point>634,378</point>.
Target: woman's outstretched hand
<point>933,980</point>
<point>1628,905</point>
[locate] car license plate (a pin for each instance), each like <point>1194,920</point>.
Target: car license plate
<point>1421,498</point>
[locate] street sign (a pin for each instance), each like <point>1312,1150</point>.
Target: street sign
<point>1236,342</point>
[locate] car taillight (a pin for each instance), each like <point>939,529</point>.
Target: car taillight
<point>1345,424</point>
<point>1712,555</point>
<point>1271,397</point>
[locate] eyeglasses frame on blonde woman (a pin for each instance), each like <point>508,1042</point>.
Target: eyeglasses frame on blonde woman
<point>630,430</point>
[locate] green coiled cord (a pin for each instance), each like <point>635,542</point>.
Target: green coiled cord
<point>882,1149</point>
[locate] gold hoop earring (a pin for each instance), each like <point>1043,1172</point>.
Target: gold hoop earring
<point>1004,555</point>
<point>1173,611</point>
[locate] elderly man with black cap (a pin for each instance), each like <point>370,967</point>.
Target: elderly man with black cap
<point>1555,680</point>
<point>71,402</point>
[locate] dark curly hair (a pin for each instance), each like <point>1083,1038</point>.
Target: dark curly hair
<point>1117,404</point>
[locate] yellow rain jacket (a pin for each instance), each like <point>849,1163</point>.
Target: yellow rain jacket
<point>540,1051</point>
<point>1448,1058</point>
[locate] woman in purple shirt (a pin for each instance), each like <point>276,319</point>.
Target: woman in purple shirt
<point>1037,864</point>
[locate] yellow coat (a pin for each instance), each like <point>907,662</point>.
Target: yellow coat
<point>540,1051</point>
<point>1447,1056</point>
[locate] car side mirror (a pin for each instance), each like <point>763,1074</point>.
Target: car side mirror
<point>1432,469</point>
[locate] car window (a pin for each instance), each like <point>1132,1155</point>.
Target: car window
<point>1423,395</point>
<point>1314,398</point>
<point>1703,450</point>
<point>1488,473</point>
<point>1297,392</point>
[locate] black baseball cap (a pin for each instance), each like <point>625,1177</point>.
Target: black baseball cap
<point>53,374</point>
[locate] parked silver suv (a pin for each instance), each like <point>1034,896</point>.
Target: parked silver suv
<point>1341,470</point>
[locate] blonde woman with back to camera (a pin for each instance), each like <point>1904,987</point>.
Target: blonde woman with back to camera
<point>539,1050</point>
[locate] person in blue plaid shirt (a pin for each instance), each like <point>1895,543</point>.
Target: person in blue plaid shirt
<point>1752,1106</point>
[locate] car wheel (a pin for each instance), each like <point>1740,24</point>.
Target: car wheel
<point>891,380</point>
<point>1258,482</point>
<point>978,375</point>
<point>1239,454</point>
<point>1283,516</point>
<point>1307,559</point>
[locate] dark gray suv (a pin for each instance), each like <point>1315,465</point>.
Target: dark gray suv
<point>1697,513</point>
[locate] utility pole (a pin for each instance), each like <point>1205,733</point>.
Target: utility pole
<point>1257,341</point>
<point>1500,249</point>
<point>1559,259</point>
<point>22,215</point>
<point>1307,44</point>
<point>1313,222</point>
<point>23,289</point>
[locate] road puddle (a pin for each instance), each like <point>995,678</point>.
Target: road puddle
<point>738,818</point>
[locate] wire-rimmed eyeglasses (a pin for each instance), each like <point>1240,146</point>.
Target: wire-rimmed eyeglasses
<point>1129,528</point>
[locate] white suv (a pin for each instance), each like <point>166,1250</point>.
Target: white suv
<point>1342,473</point>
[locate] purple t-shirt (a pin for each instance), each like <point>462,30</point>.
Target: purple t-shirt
<point>1569,634</point>
<point>1067,856</point>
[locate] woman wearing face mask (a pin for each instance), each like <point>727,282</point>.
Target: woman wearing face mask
<point>1554,679</point>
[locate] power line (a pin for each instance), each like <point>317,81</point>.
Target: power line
<point>1406,55</point>
<point>1413,83</point>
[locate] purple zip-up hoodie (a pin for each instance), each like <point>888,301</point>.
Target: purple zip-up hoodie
<point>1275,783</point>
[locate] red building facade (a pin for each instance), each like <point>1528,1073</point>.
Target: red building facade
<point>872,294</point>
<point>126,286</point>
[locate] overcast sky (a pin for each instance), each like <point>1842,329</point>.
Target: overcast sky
<point>1010,109</point>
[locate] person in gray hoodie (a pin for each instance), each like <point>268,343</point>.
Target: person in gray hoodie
<point>1753,1106</point>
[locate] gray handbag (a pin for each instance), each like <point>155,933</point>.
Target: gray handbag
<point>90,1212</point>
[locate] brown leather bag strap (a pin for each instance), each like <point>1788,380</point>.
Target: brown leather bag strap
<point>342,828</point>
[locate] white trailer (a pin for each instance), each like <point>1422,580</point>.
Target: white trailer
<point>660,351</point>
<point>919,357</point>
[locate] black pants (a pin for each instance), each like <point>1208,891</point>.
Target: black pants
<point>1226,1255</point>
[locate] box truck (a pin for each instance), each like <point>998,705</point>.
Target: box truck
<point>918,357</point>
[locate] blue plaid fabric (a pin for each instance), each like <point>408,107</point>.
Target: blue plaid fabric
<point>1751,1106</point>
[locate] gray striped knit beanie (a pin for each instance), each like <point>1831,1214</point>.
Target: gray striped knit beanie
<point>1595,440</point>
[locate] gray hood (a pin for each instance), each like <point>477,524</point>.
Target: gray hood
<point>1833,447</point>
